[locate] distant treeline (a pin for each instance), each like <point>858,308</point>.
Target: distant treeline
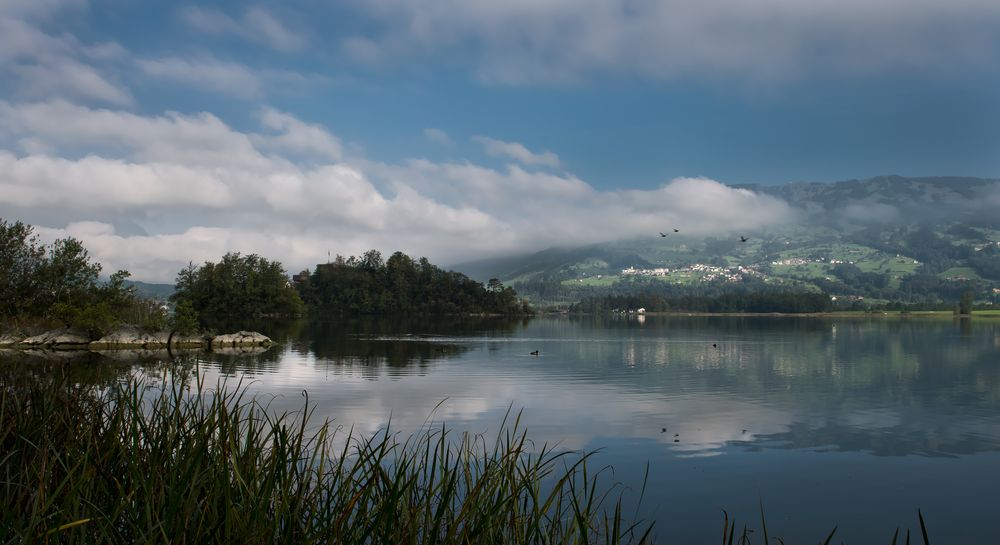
<point>59,285</point>
<point>236,289</point>
<point>400,285</point>
<point>728,302</point>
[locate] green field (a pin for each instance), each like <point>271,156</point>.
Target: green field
<point>603,281</point>
<point>865,258</point>
<point>805,271</point>
<point>591,265</point>
<point>901,266</point>
<point>836,250</point>
<point>960,272</point>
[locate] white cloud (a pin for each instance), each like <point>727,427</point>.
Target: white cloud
<point>100,183</point>
<point>362,49</point>
<point>256,25</point>
<point>437,136</point>
<point>69,78</point>
<point>197,140</point>
<point>868,212</point>
<point>40,65</point>
<point>38,8</point>
<point>200,188</point>
<point>558,40</point>
<point>517,151</point>
<point>298,137</point>
<point>225,77</point>
<point>230,79</point>
<point>274,31</point>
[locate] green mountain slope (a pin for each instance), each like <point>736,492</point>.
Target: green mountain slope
<point>146,290</point>
<point>913,240</point>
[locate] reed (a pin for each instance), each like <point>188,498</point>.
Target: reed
<point>182,463</point>
<point>747,536</point>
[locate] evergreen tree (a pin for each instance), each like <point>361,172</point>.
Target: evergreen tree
<point>401,285</point>
<point>58,282</point>
<point>237,288</point>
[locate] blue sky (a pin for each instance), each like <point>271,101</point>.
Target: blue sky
<point>468,128</point>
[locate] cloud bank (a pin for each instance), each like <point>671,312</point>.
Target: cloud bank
<point>517,151</point>
<point>255,24</point>
<point>197,188</point>
<point>561,40</point>
<point>34,63</point>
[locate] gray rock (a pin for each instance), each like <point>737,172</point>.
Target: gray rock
<point>59,339</point>
<point>10,338</point>
<point>188,341</point>
<point>130,338</point>
<point>238,339</point>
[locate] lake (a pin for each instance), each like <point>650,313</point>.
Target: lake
<point>855,422</point>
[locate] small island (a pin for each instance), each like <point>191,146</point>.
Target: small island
<point>52,297</point>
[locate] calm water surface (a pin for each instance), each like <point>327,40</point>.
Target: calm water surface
<point>855,422</point>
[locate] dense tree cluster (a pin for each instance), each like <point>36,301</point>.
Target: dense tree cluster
<point>401,285</point>
<point>236,288</point>
<point>786,302</point>
<point>59,283</point>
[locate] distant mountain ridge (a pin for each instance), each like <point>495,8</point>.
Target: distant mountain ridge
<point>147,290</point>
<point>936,195</point>
<point>888,238</point>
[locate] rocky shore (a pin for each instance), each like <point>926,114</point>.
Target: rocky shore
<point>130,338</point>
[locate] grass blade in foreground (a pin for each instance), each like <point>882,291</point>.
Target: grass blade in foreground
<point>131,463</point>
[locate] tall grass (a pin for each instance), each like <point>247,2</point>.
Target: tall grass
<point>746,536</point>
<point>130,463</point>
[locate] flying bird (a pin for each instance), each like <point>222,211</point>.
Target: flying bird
<point>663,234</point>
<point>677,230</point>
<point>743,238</point>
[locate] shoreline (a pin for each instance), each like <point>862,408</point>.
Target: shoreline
<point>837,314</point>
<point>131,339</point>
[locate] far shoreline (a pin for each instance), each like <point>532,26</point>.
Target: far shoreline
<point>988,314</point>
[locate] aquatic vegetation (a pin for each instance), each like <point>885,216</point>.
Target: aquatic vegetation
<point>175,461</point>
<point>746,535</point>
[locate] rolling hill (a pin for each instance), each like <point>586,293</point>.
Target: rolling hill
<point>891,238</point>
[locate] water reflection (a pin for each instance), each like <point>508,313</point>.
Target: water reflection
<point>877,386</point>
<point>948,438</point>
<point>81,366</point>
<point>396,342</point>
<point>729,410</point>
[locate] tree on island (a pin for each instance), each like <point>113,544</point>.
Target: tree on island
<point>236,288</point>
<point>59,283</point>
<point>401,285</point>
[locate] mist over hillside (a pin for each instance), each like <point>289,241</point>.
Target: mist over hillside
<point>886,239</point>
<point>891,199</point>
